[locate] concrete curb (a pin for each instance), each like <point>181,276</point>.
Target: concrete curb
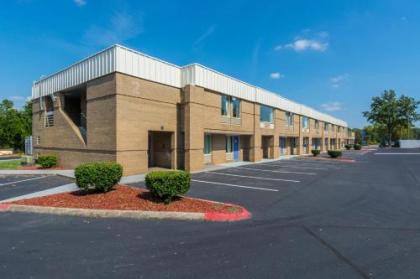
<point>66,173</point>
<point>103,213</point>
<point>131,214</point>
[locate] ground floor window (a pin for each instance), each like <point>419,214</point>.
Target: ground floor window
<point>207,144</point>
<point>229,144</point>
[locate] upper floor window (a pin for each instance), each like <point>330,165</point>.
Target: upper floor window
<point>231,106</point>
<point>316,124</point>
<point>266,114</point>
<point>236,107</point>
<point>225,105</point>
<point>326,127</point>
<point>289,118</point>
<point>333,128</point>
<point>305,122</point>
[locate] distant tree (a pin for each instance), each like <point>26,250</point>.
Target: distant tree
<point>408,112</point>
<point>15,124</point>
<point>357,135</point>
<point>391,112</point>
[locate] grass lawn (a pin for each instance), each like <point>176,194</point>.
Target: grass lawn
<point>9,164</point>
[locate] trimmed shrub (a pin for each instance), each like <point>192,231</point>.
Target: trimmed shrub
<point>165,185</point>
<point>98,176</point>
<point>348,146</point>
<point>357,147</point>
<point>335,153</point>
<point>47,161</point>
<point>315,152</point>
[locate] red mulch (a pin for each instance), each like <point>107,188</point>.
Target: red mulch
<point>128,198</point>
<point>38,168</point>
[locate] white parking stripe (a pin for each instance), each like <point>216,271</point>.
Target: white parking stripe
<point>278,171</point>
<point>19,181</point>
<point>235,185</point>
<point>255,177</point>
<point>298,167</point>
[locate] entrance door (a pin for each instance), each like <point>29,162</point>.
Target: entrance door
<point>292,146</point>
<point>235,148</point>
<point>282,146</point>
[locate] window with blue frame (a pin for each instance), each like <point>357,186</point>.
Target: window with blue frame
<point>225,105</point>
<point>207,144</point>
<point>305,122</point>
<point>289,119</point>
<point>266,114</point>
<point>236,107</point>
<point>231,106</point>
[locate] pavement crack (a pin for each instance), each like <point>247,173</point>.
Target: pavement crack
<point>336,252</point>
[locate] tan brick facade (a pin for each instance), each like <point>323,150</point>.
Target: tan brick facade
<point>142,124</point>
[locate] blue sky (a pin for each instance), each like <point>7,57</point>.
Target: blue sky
<point>331,55</point>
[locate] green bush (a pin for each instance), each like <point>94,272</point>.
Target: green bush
<point>165,185</point>
<point>98,176</point>
<point>335,153</point>
<point>357,147</point>
<point>315,152</point>
<point>348,146</point>
<point>47,161</point>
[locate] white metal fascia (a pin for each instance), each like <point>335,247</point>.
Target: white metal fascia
<point>118,58</point>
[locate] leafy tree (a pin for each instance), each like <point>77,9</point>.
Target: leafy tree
<point>15,124</point>
<point>389,112</point>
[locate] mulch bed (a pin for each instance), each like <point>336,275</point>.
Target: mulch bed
<point>123,197</point>
<point>342,159</point>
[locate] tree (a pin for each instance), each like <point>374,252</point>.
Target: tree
<point>15,124</point>
<point>392,113</point>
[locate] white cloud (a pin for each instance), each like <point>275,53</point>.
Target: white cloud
<point>318,42</point>
<point>80,2</point>
<point>205,35</point>
<point>276,75</point>
<point>122,26</point>
<point>332,106</point>
<point>307,44</point>
<point>337,81</point>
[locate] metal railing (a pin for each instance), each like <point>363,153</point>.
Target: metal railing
<point>49,119</point>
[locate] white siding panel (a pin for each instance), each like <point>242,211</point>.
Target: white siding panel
<point>87,69</point>
<point>131,62</point>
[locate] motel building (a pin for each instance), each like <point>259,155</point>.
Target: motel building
<point>142,112</point>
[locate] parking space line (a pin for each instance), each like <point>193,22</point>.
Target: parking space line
<point>256,177</point>
<point>278,171</point>
<point>235,185</point>
<point>297,167</point>
<point>24,180</point>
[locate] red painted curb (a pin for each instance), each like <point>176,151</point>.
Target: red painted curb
<point>4,206</point>
<point>227,217</point>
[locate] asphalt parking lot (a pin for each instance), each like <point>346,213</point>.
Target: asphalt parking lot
<point>18,185</point>
<point>310,220</point>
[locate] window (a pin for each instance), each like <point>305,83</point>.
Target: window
<point>236,107</point>
<point>333,128</point>
<point>305,122</point>
<point>225,105</point>
<point>207,144</point>
<point>229,144</point>
<point>326,127</point>
<point>316,124</point>
<point>266,114</point>
<point>289,119</point>
<point>231,106</point>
